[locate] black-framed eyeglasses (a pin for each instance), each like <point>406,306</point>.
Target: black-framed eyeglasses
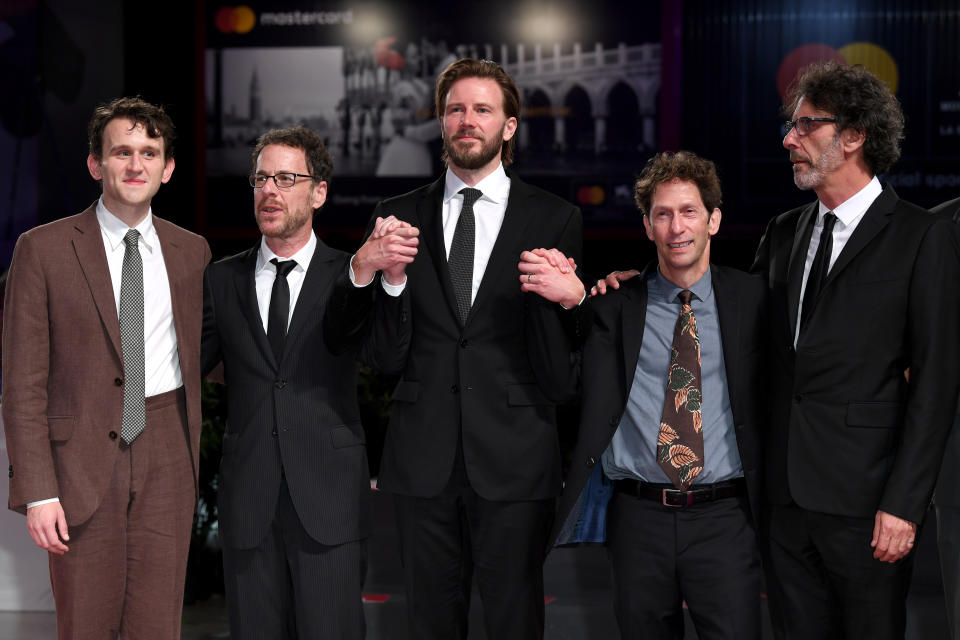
<point>283,180</point>
<point>803,124</point>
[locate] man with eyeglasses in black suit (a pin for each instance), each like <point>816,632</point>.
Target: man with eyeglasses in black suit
<point>294,488</point>
<point>863,287</point>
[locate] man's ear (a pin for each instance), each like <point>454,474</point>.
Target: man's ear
<point>647,227</point>
<point>93,166</point>
<point>167,170</point>
<point>318,196</point>
<point>713,223</point>
<point>851,139</point>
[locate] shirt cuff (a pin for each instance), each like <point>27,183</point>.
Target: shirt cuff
<point>393,289</point>
<point>353,277</point>
<point>40,502</point>
<point>579,303</point>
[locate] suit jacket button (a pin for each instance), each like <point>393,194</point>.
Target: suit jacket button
<point>118,382</point>
<point>591,461</point>
<point>280,383</point>
<point>464,343</point>
<point>798,398</point>
<point>614,421</point>
<point>454,388</point>
<point>113,435</point>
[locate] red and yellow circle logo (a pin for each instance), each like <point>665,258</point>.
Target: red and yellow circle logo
<point>872,56</point>
<point>235,19</point>
<point>591,195</point>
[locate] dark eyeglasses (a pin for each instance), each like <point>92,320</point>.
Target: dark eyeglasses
<point>283,180</point>
<point>803,124</point>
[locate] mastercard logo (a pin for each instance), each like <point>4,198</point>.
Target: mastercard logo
<point>591,195</point>
<point>872,56</point>
<point>235,19</point>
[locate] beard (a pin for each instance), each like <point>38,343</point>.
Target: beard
<point>288,225</point>
<point>489,149</point>
<point>814,174</point>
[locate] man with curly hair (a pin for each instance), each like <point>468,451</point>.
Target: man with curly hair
<point>671,482</point>
<point>863,289</point>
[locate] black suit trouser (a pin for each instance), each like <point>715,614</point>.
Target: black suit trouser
<point>706,554</point>
<point>830,584</point>
<point>447,538</point>
<point>948,542</point>
<point>947,501</point>
<point>291,586</point>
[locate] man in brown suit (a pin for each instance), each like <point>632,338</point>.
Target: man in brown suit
<point>101,398</point>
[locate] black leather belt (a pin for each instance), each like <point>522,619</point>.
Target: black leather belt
<point>670,496</point>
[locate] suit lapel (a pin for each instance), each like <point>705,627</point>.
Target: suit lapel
<point>88,244</point>
<point>315,283</point>
<point>634,316</point>
<point>728,316</point>
<point>874,219</point>
<point>798,257</point>
<point>510,239</point>
<point>245,283</point>
<point>430,219</point>
<point>177,267</point>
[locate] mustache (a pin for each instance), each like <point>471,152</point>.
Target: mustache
<point>471,133</point>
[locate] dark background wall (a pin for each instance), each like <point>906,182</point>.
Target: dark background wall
<point>717,96</point>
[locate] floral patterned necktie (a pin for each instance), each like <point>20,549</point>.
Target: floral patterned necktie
<point>680,441</point>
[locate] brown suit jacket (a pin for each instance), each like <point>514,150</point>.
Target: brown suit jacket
<point>63,366</point>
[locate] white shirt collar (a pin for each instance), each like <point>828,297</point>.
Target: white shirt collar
<point>855,205</point>
<point>116,229</point>
<point>495,187</point>
<point>302,257</point>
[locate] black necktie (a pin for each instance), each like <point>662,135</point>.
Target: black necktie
<point>460,261</point>
<point>819,268</point>
<point>279,312</point>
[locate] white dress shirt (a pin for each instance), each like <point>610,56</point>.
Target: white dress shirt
<point>488,213</point>
<point>161,358</point>
<point>849,214</point>
<point>266,273</point>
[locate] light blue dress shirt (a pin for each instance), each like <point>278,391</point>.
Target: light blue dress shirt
<point>632,453</point>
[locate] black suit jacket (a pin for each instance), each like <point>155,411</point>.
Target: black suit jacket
<point>299,414</point>
<point>613,325</point>
<point>492,379</point>
<point>849,434</point>
<point>948,484</point>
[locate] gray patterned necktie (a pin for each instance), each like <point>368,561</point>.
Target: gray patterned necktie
<point>460,261</point>
<point>131,339</point>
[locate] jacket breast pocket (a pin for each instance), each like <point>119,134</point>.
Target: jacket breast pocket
<point>879,415</point>
<point>61,427</point>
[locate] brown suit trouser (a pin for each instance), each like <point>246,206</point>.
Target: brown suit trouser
<point>125,570</point>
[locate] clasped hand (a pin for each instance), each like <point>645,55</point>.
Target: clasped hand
<point>390,248</point>
<point>551,275</point>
